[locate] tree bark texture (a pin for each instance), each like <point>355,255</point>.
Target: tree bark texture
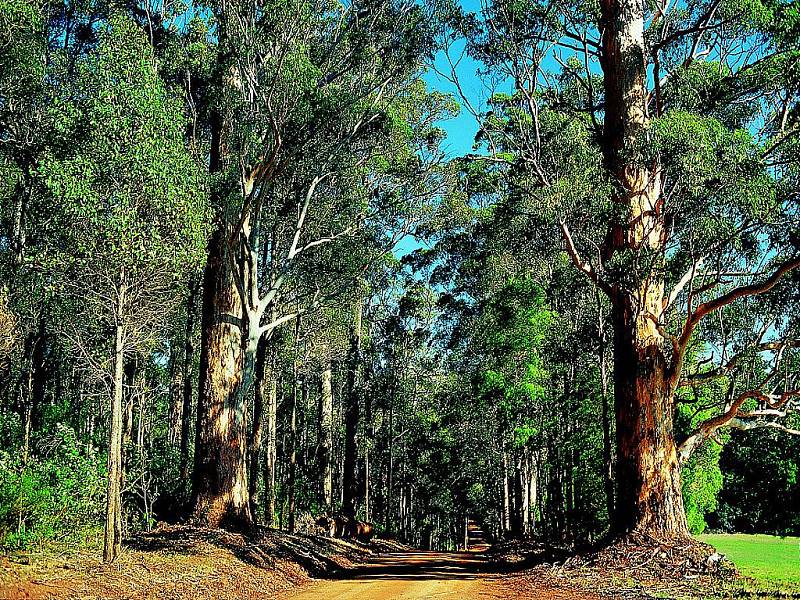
<point>648,483</point>
<point>262,377</point>
<point>270,452</point>
<point>112,541</point>
<point>220,492</point>
<point>326,435</point>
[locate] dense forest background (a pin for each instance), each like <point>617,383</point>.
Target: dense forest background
<point>245,278</point>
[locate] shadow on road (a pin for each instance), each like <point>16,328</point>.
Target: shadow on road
<point>442,565</point>
<point>418,565</point>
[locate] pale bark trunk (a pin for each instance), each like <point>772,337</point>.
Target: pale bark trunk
<point>270,453</point>
<point>263,375</point>
<point>526,493</point>
<point>506,496</point>
<point>326,436</point>
<point>533,491</point>
<point>113,526</point>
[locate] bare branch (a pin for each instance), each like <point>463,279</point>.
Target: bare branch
<point>733,295</point>
<point>585,267</point>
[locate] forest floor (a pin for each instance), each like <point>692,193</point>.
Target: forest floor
<point>181,562</point>
<point>178,562</point>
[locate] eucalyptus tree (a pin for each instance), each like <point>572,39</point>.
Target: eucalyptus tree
<point>300,91</point>
<point>23,56</point>
<point>660,142</point>
<point>127,210</point>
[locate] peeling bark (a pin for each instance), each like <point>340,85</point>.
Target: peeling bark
<point>649,497</point>
<point>220,492</point>
<point>112,540</point>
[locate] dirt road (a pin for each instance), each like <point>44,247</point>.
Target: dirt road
<point>426,575</point>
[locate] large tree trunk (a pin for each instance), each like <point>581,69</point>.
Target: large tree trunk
<point>506,508</point>
<point>220,493</point>
<point>516,515</point>
<point>649,496</point>
<point>113,526</point>
<point>351,419</point>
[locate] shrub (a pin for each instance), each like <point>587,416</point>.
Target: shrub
<point>58,496</point>
<point>702,481</point>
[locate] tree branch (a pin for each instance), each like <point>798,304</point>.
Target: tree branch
<point>733,295</point>
<point>584,267</point>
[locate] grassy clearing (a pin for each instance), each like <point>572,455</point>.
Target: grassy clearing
<point>773,562</point>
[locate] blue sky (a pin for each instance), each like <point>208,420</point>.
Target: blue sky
<point>461,130</point>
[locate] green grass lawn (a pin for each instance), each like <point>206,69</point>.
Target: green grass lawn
<point>771,560</point>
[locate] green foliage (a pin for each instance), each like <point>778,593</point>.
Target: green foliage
<point>702,481</point>
<point>127,191</point>
<point>57,497</point>
<point>761,489</point>
<point>21,52</point>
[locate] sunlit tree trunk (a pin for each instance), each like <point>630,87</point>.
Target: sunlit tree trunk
<point>112,543</point>
<point>648,484</point>
<point>262,376</point>
<point>270,451</point>
<point>517,516</point>
<point>326,435</point>
<point>220,490</point>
